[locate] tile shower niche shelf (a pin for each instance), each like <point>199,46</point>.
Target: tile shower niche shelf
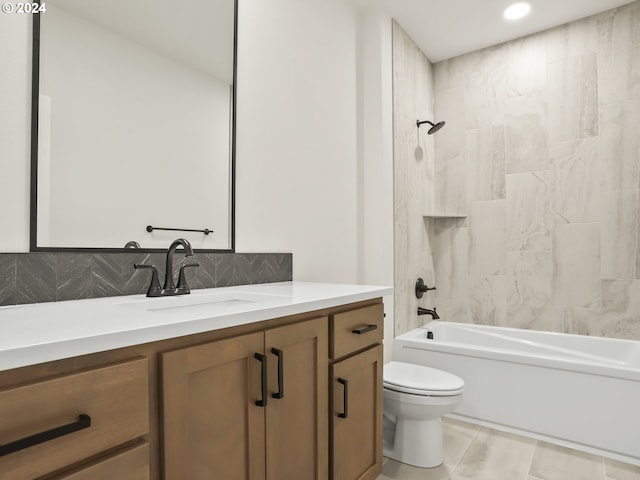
<point>444,215</point>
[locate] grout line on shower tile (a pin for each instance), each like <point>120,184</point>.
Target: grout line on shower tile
<point>475,436</point>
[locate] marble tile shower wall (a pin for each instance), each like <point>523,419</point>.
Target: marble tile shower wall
<point>413,153</point>
<point>50,277</point>
<point>542,153</point>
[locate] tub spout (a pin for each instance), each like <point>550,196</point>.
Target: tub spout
<point>426,311</point>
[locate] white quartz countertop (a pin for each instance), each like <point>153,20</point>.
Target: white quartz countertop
<point>42,332</point>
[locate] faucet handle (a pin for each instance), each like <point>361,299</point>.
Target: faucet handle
<point>154,287</point>
<point>421,288</point>
<point>182,287</point>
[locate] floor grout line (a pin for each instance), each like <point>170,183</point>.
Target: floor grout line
<point>533,454</point>
<point>475,436</point>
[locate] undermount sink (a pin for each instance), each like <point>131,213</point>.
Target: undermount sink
<point>205,303</point>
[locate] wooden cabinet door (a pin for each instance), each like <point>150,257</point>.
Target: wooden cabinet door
<point>213,428</point>
<point>297,424</point>
<point>357,416</point>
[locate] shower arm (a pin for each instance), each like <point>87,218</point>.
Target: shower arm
<point>434,126</point>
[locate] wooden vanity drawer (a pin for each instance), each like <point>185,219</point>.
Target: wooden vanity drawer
<point>51,424</point>
<point>356,329</point>
<point>132,464</point>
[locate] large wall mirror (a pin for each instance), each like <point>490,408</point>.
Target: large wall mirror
<point>133,124</point>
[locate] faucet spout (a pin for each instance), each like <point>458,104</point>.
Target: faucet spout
<point>426,311</point>
<point>169,285</point>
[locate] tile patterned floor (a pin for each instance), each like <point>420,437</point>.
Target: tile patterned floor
<point>479,453</point>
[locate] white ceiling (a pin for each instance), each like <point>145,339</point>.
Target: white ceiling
<point>201,35</point>
<point>448,28</point>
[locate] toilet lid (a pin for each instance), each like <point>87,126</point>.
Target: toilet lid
<point>420,380</point>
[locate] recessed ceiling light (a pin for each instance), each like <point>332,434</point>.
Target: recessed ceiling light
<point>516,11</point>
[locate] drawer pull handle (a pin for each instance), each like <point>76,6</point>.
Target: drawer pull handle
<point>84,421</point>
<point>280,355</point>
<point>345,397</point>
<point>367,329</point>
<point>263,375</point>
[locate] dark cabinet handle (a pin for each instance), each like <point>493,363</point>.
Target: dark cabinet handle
<point>367,329</point>
<point>345,397</point>
<point>84,421</point>
<point>280,355</point>
<point>263,374</point>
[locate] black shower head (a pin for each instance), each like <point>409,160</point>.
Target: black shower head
<point>434,126</point>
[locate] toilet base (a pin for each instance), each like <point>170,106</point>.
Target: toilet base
<point>417,443</point>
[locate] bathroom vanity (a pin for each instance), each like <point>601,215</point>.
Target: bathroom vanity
<point>270,381</point>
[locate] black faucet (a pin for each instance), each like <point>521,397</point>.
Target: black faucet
<point>169,286</point>
<point>426,311</point>
<point>168,271</point>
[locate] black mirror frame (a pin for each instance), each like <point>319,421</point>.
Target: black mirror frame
<point>33,214</point>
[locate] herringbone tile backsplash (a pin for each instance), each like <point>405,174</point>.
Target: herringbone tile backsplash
<point>50,277</point>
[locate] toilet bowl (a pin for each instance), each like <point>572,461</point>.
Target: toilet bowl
<point>415,398</point>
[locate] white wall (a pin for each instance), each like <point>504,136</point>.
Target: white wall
<point>296,134</point>
<point>375,159</point>
<point>15,94</point>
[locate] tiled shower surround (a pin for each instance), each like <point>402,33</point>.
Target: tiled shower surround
<point>49,277</point>
<point>541,157</point>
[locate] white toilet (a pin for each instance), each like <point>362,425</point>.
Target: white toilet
<point>415,398</point>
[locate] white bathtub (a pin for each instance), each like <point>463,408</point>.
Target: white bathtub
<point>578,391</point>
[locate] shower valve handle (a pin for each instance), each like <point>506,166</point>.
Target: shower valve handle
<point>421,288</point>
